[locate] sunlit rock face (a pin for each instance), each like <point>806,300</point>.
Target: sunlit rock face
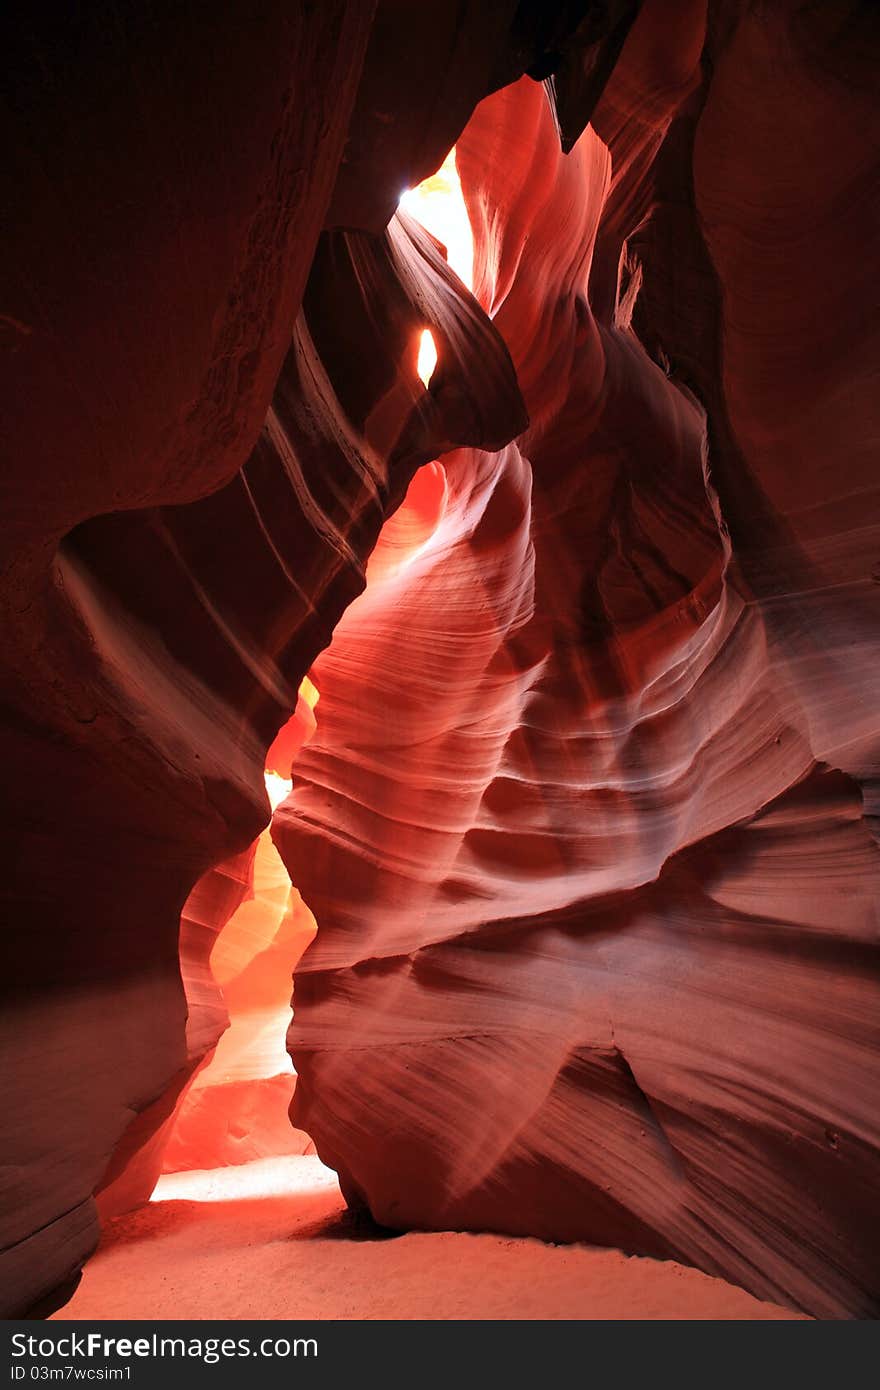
<point>200,464</point>
<point>242,930</point>
<point>586,824</point>
<point>236,1107</point>
<point>169,194</point>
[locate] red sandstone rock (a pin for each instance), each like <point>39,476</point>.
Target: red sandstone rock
<point>594,876</point>
<point>168,186</point>
<point>171,174</point>
<point>587,824</point>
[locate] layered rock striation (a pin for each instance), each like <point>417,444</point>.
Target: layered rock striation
<point>587,824</point>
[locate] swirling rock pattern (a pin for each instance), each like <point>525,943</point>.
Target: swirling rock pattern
<point>586,824</point>
<point>161,601</point>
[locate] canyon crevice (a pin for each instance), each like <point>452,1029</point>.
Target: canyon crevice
<point>587,811</point>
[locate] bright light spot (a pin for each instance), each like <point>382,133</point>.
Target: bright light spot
<point>277,788</point>
<point>440,207</point>
<point>265,1177</point>
<point>427,356</point>
<point>309,692</point>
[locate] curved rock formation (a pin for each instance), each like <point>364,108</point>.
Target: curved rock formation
<point>191,161</point>
<point>236,1108</point>
<point>586,824</point>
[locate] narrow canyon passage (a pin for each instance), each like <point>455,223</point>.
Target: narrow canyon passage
<point>240,1205</point>
<point>236,1108</point>
<point>446,433</point>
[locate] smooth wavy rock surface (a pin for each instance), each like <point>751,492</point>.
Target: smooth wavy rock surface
<point>179,536</point>
<point>586,820</point>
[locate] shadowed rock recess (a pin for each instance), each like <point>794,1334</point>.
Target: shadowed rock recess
<point>588,820</point>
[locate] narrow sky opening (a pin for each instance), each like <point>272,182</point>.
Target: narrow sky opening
<point>438,204</point>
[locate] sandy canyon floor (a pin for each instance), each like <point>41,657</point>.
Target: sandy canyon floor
<point>272,1239</point>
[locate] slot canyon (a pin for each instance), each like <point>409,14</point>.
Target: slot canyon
<point>441,660</point>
